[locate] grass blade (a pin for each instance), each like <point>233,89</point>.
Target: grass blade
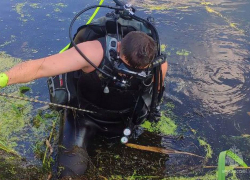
<point>221,162</point>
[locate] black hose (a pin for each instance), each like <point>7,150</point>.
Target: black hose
<point>155,92</point>
<point>73,43</point>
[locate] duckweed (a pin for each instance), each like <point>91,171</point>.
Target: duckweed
<point>165,126</point>
<point>183,52</point>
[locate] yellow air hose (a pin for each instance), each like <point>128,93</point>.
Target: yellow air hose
<point>89,21</point>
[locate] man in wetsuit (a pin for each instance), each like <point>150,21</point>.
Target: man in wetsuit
<point>136,50</point>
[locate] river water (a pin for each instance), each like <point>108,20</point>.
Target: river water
<point>208,80</point>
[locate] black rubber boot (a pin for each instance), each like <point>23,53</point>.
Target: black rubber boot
<point>75,133</point>
<point>72,163</point>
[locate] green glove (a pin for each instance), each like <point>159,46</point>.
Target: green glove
<point>3,80</point>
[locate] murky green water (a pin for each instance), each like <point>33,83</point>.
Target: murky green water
<point>207,84</point>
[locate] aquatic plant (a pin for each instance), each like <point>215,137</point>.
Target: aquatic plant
<point>183,52</point>
<point>221,163</point>
<point>163,47</point>
<point>165,126</point>
<point>12,39</point>
<point>211,10</point>
<point>34,5</point>
<point>207,147</point>
<point>4,147</point>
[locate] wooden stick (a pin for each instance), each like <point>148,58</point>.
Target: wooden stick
<point>209,167</point>
<point>159,150</point>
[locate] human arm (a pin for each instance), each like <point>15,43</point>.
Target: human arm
<point>67,61</point>
<point>164,68</point>
<point>156,114</point>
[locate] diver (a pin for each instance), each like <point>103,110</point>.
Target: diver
<point>114,68</point>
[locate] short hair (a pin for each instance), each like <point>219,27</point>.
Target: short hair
<point>138,48</point>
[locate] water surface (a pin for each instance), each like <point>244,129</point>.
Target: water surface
<point>208,78</point>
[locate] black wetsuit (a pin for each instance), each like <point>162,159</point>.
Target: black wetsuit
<point>113,109</point>
<point>118,103</point>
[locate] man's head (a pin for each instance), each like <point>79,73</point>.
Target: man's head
<point>137,49</point>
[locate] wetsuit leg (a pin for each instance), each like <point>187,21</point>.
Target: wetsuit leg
<point>75,133</point>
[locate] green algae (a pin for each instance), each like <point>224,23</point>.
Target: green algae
<point>57,10</point>
<point>232,25</point>
<point>24,17</point>
<point>34,51</point>
<point>34,5</point>
<point>13,118</point>
<point>16,120</point>
<point>163,47</point>
<point>5,148</point>
<point>61,5</point>
<point>14,113</point>
<point>24,89</point>
<point>12,39</point>
<point>148,126</point>
<point>206,3</point>
<point>58,6</point>
<point>183,52</point>
<point>163,7</point>
<point>170,105</point>
<point>19,8</point>
<point>207,147</point>
<point>165,126</point>
<point>13,168</point>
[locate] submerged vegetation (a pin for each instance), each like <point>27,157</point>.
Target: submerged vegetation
<point>13,167</point>
<point>13,113</point>
<point>12,39</point>
<point>164,126</point>
<point>207,148</point>
<point>18,130</point>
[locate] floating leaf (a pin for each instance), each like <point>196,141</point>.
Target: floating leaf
<point>24,89</point>
<point>245,135</point>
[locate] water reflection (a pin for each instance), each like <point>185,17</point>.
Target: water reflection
<point>217,70</point>
<point>213,80</point>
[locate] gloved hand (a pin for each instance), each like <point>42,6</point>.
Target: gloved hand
<point>3,80</point>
